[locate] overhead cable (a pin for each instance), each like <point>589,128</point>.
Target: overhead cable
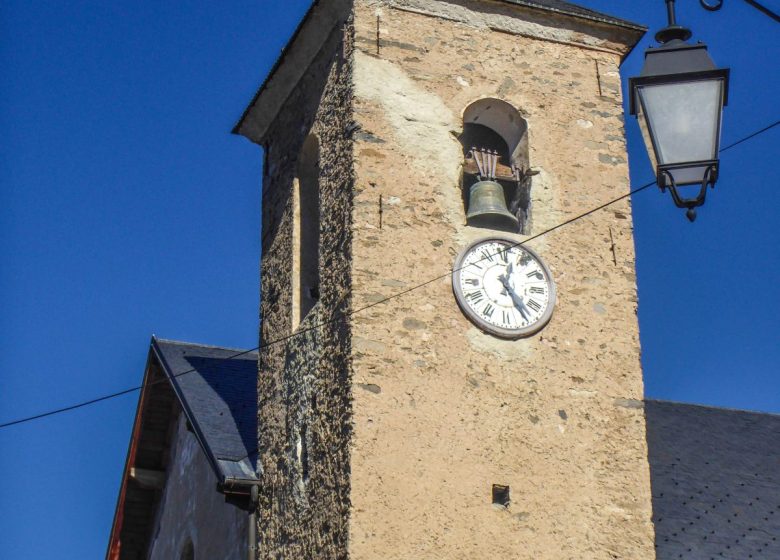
<point>360,309</point>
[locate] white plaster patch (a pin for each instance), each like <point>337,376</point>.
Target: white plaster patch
<point>422,123</point>
<point>421,120</point>
<point>582,394</point>
<point>462,81</point>
<point>503,349</point>
<point>584,124</point>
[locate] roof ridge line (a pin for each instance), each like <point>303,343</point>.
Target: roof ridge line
<point>586,13</point>
<point>712,407</point>
<point>216,347</point>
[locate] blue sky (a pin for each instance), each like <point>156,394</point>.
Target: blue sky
<point>129,209</point>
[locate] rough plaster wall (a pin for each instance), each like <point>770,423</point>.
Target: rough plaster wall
<point>304,392</point>
<point>441,411</point>
<point>191,508</point>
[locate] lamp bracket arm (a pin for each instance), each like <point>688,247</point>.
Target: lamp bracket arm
<point>715,5</point>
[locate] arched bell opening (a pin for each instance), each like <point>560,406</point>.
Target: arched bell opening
<point>496,178</point>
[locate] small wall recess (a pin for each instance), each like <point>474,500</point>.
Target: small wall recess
<point>501,495</point>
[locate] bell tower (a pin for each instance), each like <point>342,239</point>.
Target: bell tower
<point>431,386</point>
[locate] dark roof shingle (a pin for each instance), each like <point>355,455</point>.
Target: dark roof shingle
<point>715,477</point>
<point>218,391</point>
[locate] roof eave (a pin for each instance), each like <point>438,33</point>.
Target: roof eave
<point>116,524</point>
<point>601,18</point>
<point>323,15</point>
<point>277,64</point>
<point>636,30</point>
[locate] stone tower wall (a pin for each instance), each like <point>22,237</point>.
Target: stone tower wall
<point>442,411</point>
<point>303,385</point>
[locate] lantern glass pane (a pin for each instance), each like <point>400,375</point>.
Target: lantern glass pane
<point>683,119</point>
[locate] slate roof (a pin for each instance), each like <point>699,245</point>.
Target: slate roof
<point>577,11</point>
<point>716,482</point>
<point>217,388</point>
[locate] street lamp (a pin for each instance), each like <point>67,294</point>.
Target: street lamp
<point>679,99</point>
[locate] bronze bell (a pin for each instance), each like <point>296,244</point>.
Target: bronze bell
<point>487,208</point>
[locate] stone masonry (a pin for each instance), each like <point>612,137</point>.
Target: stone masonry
<point>304,382</point>
<point>404,415</point>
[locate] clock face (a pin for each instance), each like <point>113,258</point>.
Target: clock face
<point>503,288</point>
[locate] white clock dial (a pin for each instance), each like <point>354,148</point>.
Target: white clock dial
<point>504,288</point>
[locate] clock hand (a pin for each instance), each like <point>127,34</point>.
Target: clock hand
<point>516,299</point>
<point>504,278</point>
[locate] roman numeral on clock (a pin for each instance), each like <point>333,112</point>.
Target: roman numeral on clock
<point>536,290</point>
<point>475,297</point>
<point>507,317</point>
<point>534,305</point>
<point>472,281</point>
<point>488,311</point>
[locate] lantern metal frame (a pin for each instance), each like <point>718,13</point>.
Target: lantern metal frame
<point>678,62</point>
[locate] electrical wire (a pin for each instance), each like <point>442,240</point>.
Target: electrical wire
<point>107,397</point>
<point>360,309</point>
<point>746,138</point>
